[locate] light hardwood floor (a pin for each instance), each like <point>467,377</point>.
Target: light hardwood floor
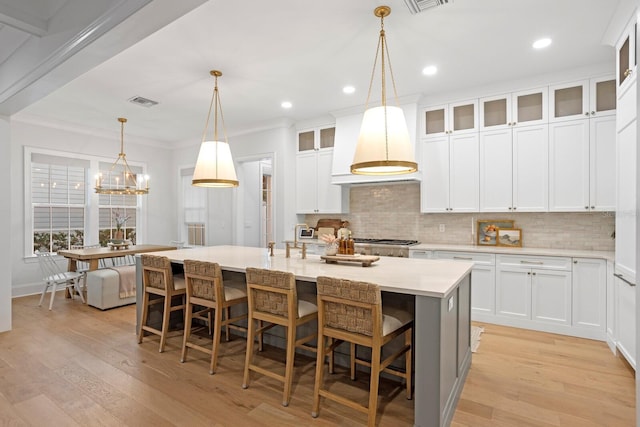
<point>78,366</point>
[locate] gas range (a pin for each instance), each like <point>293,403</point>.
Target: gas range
<point>397,242</point>
<point>384,247</point>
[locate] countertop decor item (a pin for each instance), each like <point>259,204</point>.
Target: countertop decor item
<point>383,147</point>
<point>365,260</point>
<point>509,237</point>
<point>487,230</point>
<point>214,167</point>
<point>131,184</point>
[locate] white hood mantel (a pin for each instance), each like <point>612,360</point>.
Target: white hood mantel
<point>347,131</point>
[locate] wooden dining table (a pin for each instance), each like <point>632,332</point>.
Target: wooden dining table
<point>94,255</point>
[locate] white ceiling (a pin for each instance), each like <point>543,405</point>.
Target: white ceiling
<point>306,51</point>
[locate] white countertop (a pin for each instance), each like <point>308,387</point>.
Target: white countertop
<point>574,253</point>
<point>434,278</point>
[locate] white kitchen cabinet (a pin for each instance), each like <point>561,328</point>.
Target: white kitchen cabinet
<point>626,315</point>
<point>314,191</point>
<point>589,277</point>
<point>536,289</point>
<point>582,165</point>
<point>513,169</point>
<point>450,173</point>
<point>612,297</point>
<point>524,108</point>
<point>582,99</point>
<point>626,199</point>
<point>483,279</point>
<point>450,119</point>
<point>626,63</point>
<point>420,254</point>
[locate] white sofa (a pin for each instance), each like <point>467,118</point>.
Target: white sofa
<point>103,289</point>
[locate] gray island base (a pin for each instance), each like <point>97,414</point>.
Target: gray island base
<point>442,290</point>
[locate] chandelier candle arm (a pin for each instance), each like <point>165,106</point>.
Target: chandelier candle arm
<point>384,146</point>
<point>214,167</point>
<point>131,184</point>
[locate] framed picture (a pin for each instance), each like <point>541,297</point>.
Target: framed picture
<point>487,230</point>
<point>509,237</point>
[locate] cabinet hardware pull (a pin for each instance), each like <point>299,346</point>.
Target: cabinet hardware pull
<point>463,258</point>
<point>514,208</point>
<point>575,261</point>
<point>593,207</point>
<point>531,262</point>
<point>627,72</point>
<point>586,207</point>
<point>621,277</point>
<point>593,113</point>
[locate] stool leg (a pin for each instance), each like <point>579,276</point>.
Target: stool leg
<point>353,360</point>
<point>288,370</point>
<point>319,371</point>
<point>249,355</point>
<point>373,388</point>
<point>217,331</point>
<point>260,340</point>
<point>407,362</point>
<point>227,312</point>
<point>165,322</point>
<point>187,329</point>
<point>143,318</point>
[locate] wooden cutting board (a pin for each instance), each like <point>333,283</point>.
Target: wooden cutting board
<point>365,260</point>
<point>329,222</point>
<point>325,230</point>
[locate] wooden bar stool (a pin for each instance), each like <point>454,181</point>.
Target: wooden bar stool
<point>158,279</point>
<point>206,288</point>
<point>353,312</point>
<point>273,299</point>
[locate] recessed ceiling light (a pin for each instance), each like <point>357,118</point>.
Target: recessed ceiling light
<point>542,43</point>
<point>430,70</point>
<point>286,104</point>
<point>348,89</point>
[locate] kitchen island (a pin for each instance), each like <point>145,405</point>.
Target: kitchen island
<point>442,291</point>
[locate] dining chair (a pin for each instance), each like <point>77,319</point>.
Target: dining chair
<point>207,288</point>
<point>352,311</point>
<point>53,276</point>
<point>158,279</point>
<point>273,298</point>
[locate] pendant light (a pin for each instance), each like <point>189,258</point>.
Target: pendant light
<point>214,167</point>
<point>131,183</point>
<point>383,147</point>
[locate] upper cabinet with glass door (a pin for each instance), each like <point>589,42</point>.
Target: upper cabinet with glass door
<point>582,99</point>
<point>316,139</point>
<point>455,118</point>
<point>626,56</point>
<point>522,108</point>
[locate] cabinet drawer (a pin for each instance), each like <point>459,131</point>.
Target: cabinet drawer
<point>477,258</point>
<point>538,262</point>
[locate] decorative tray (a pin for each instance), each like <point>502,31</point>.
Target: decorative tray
<point>365,260</point>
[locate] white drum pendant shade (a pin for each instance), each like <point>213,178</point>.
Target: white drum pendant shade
<point>214,167</point>
<point>384,147</point>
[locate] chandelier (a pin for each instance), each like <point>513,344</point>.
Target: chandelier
<point>383,147</point>
<point>126,182</point>
<point>214,167</point>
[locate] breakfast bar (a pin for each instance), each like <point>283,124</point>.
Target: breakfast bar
<point>442,291</point>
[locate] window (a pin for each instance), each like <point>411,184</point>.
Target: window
<point>58,194</point>
<point>110,206</point>
<point>194,210</point>
<point>61,208</point>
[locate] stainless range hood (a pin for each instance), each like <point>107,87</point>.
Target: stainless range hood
<point>347,130</point>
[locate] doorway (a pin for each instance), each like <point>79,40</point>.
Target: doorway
<point>255,201</point>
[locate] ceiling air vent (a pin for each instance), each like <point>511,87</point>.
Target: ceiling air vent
<point>417,6</point>
<point>144,102</point>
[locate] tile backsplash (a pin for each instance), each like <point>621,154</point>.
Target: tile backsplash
<point>392,211</point>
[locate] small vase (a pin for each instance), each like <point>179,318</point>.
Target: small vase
<point>119,235</point>
<point>331,248</point>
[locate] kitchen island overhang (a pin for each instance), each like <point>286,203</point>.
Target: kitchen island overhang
<point>442,290</point>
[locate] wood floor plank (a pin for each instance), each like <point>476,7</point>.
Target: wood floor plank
<point>76,365</point>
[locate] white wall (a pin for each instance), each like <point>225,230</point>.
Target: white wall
<point>159,203</point>
<point>249,226</point>
<point>5,218</point>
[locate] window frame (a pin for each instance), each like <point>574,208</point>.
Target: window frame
<point>91,202</point>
